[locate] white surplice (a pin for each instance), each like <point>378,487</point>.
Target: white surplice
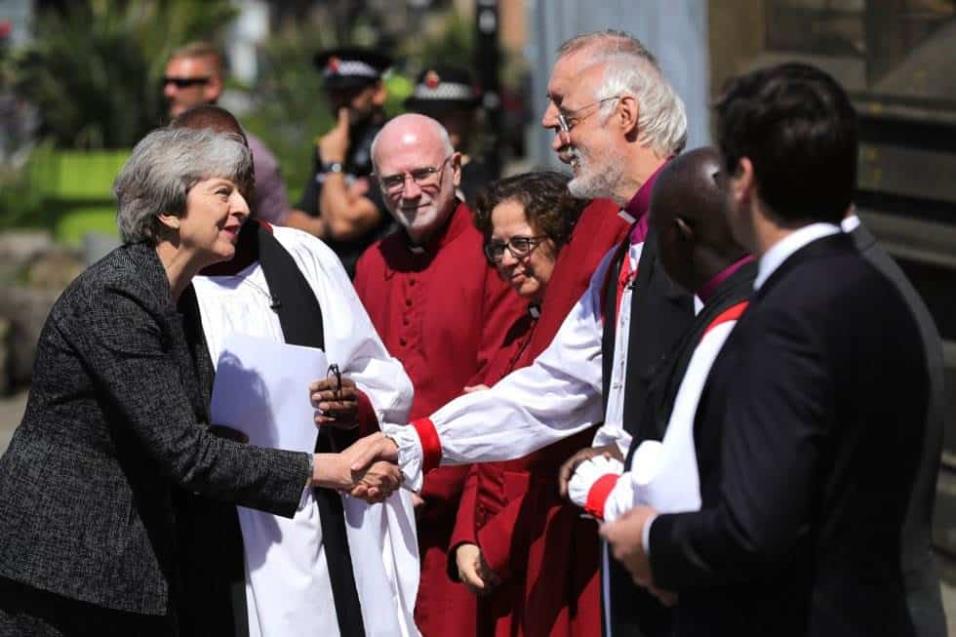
<point>287,583</point>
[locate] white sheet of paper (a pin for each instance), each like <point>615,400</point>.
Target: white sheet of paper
<point>262,389</point>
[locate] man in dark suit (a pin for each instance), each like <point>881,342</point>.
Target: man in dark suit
<point>919,567</point>
<point>805,435</point>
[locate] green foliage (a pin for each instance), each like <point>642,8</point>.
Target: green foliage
<point>69,191</point>
<point>75,224</point>
<point>289,109</point>
<point>449,40</point>
<point>93,70</point>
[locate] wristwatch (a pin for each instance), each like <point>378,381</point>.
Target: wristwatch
<point>332,167</point>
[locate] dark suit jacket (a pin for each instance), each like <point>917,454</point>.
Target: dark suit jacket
<point>111,424</point>
<point>919,567</point>
<point>660,314</point>
<point>807,453</point>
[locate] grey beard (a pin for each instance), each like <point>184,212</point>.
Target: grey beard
<point>593,182</point>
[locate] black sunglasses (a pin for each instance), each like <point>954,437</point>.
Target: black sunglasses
<point>185,82</point>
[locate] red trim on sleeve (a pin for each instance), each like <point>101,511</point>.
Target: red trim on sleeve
<point>732,313</point>
<point>265,224</point>
<point>366,417</point>
<point>599,493</point>
<point>431,444</point>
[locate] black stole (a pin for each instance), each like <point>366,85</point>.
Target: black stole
<point>660,313</point>
<point>300,317</point>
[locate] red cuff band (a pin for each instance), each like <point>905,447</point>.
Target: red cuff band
<point>366,418</point>
<point>598,494</point>
<point>431,445</point>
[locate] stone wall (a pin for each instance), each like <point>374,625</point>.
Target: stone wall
<point>33,272</point>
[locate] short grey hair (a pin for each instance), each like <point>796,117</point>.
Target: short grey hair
<point>162,169</point>
<point>630,69</point>
<point>443,138</point>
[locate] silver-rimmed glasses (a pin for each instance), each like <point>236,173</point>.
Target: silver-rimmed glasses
<point>568,119</point>
<point>426,176</point>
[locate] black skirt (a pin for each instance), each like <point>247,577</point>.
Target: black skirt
<point>29,612</point>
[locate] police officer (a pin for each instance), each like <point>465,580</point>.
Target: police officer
<point>449,94</point>
<point>339,204</point>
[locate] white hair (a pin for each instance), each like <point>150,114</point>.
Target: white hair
<point>630,69</point>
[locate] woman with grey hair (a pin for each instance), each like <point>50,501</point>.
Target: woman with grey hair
<point>113,419</point>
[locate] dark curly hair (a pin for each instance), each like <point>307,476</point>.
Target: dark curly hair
<point>549,207</point>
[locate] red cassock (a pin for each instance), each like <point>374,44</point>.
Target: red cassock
<point>444,312</point>
<point>545,553</point>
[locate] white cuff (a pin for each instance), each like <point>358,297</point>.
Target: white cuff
<point>409,453</point>
<point>631,490</point>
<point>589,472</point>
<point>620,500</point>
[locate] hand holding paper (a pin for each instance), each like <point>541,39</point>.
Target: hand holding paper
<point>336,400</point>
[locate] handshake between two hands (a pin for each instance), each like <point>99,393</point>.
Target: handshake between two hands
<point>367,469</point>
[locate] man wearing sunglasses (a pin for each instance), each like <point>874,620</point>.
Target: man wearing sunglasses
<point>194,76</point>
<point>444,312</point>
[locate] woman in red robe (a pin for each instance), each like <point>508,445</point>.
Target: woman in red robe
<point>529,556</point>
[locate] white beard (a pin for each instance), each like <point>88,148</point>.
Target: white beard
<point>592,180</point>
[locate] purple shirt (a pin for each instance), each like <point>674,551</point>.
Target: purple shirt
<point>638,205</point>
<point>707,289</point>
<point>271,203</point>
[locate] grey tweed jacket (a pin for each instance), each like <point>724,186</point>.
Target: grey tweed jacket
<point>114,421</point>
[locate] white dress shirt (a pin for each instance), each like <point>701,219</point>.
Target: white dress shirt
<point>781,250</point>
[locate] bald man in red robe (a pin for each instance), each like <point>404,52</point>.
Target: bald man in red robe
<point>443,311</point>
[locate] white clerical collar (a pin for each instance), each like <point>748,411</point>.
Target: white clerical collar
<point>850,223</point>
<point>781,250</point>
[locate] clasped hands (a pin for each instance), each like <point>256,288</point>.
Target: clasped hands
<point>624,536</point>
<point>368,468</point>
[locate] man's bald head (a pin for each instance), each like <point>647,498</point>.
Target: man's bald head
<point>411,129</point>
<point>687,213</point>
<point>418,171</point>
<point>209,116</point>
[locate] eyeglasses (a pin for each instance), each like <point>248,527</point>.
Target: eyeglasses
<point>569,119</point>
<point>185,82</point>
<point>519,247</point>
<point>425,177</point>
